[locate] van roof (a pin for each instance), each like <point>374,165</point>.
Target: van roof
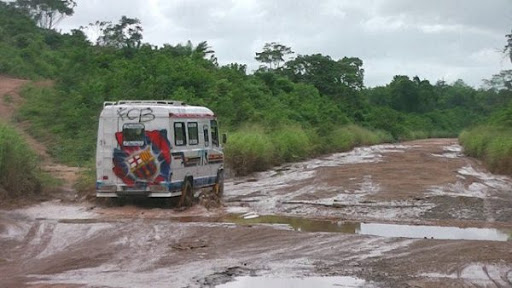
<point>158,108</point>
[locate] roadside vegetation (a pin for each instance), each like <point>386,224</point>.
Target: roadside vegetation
<point>293,107</point>
<point>492,142</point>
<point>19,174</point>
<point>254,148</point>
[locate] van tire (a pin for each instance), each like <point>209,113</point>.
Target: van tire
<point>187,194</point>
<point>219,184</point>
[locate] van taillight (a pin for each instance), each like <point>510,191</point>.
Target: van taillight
<point>105,178</point>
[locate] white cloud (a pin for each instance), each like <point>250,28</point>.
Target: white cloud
<point>385,23</point>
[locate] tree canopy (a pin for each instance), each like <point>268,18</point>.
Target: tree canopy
<point>273,55</point>
<point>47,13</point>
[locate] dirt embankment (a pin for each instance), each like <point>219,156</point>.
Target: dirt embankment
<point>10,102</point>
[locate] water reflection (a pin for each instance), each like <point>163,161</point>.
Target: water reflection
<point>376,229</point>
<point>289,282</point>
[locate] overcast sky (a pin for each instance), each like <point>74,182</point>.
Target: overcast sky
<point>434,39</point>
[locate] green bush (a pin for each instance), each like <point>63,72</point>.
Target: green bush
<point>18,165</point>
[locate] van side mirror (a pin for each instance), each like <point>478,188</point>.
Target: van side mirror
<point>224,138</point>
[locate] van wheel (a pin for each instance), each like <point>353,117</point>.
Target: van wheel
<point>219,184</point>
<point>187,194</point>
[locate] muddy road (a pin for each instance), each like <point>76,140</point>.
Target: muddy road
<point>417,214</point>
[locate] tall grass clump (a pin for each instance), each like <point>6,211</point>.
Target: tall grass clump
<point>491,144</point>
<point>18,165</point>
<point>253,148</point>
<point>475,141</point>
<point>249,149</point>
<point>291,143</point>
<point>350,136</point>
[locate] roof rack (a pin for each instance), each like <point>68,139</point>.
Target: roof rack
<point>154,102</point>
<point>108,103</point>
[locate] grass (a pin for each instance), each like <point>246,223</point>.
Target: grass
<point>249,149</point>
<point>290,143</point>
<point>347,137</point>
<point>492,144</point>
<point>252,148</point>
<point>19,172</point>
<point>86,182</point>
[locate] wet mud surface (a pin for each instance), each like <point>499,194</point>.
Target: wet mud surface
<point>418,214</point>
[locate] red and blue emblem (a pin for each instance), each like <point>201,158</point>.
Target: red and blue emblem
<point>149,163</point>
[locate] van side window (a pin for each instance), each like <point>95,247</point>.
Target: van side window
<point>133,135</point>
<point>215,132</point>
<point>206,133</point>
<point>179,134</point>
<point>193,133</point>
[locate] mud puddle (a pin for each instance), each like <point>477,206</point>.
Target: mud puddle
<point>434,232</point>
<point>320,282</point>
<point>361,228</point>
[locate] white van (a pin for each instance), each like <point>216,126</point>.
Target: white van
<point>158,149</point>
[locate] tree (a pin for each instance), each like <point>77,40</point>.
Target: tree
<point>508,47</point>
<point>126,34</point>
<point>352,72</point>
<point>329,76</point>
<point>273,54</point>
<point>47,13</point>
<point>412,96</point>
<point>500,81</point>
<point>202,51</point>
<point>404,94</point>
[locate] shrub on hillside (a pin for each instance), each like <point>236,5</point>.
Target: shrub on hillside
<point>18,165</point>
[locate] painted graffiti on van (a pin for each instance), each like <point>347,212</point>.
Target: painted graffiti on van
<point>142,115</point>
<point>150,163</point>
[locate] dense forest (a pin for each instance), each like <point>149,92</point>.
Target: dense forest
<point>294,106</point>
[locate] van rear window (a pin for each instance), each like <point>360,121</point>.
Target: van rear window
<point>215,132</point>
<point>193,133</point>
<point>179,134</point>
<point>133,135</point>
